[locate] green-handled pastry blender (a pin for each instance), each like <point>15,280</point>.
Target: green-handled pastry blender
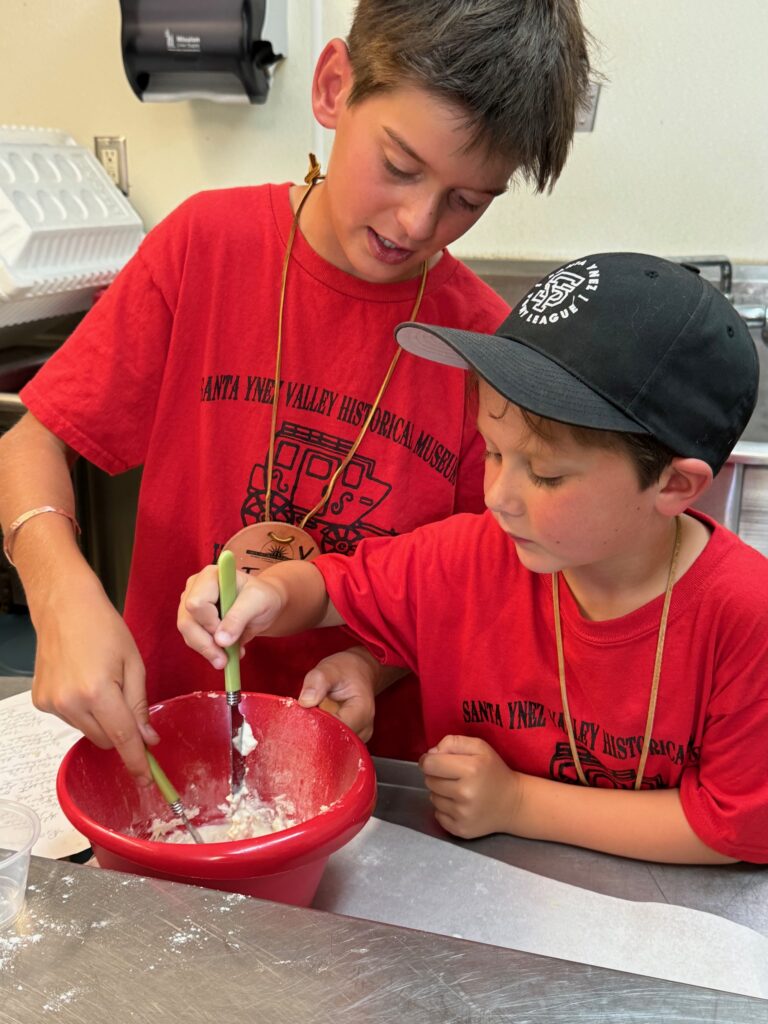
<point>170,795</point>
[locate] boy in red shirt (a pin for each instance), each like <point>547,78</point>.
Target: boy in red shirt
<point>244,358</point>
<point>590,628</point>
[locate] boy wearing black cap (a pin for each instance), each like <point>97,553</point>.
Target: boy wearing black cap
<point>589,628</point>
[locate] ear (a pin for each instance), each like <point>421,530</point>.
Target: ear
<point>681,484</point>
<point>332,83</point>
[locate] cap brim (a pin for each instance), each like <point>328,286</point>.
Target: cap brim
<point>519,373</point>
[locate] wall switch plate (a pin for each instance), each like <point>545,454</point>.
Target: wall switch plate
<point>585,117</point>
<point>112,155</point>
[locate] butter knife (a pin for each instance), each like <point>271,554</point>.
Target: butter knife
<point>227,594</point>
<point>171,796</point>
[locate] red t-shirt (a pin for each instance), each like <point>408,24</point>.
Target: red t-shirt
<point>173,369</point>
<point>453,602</point>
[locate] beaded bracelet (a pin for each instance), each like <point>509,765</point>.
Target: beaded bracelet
<point>16,525</point>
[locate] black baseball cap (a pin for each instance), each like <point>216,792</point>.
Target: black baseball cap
<point>617,341</point>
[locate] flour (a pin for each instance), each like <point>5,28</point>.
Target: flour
<point>243,816</point>
<point>245,741</point>
<point>10,945</point>
<point>59,1000</point>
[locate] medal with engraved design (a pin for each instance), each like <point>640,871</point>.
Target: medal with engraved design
<point>259,545</point>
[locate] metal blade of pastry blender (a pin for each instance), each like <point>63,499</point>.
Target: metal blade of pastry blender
<point>227,594</point>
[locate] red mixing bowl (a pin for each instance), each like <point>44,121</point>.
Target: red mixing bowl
<point>303,753</point>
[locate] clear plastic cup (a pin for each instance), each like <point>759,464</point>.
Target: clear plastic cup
<point>19,829</point>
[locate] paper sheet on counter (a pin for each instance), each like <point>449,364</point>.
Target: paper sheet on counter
<point>32,744</point>
<point>392,874</point>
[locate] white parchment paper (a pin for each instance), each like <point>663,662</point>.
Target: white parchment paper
<point>32,744</point>
<point>392,874</point>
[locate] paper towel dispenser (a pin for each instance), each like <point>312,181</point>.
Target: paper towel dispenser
<point>223,50</point>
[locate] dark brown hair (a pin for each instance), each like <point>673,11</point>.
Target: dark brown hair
<point>649,456</point>
<point>519,69</point>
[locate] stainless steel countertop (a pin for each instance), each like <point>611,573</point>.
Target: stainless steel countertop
<point>92,943</point>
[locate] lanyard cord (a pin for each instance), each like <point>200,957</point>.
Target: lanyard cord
<point>312,178</point>
<point>656,668</point>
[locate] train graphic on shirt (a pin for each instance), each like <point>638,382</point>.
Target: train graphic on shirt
<point>304,462</point>
<point>563,769</point>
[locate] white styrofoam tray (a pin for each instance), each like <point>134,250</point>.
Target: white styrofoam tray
<point>65,229</point>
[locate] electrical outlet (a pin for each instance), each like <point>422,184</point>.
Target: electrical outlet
<point>112,155</point>
<point>585,117</point>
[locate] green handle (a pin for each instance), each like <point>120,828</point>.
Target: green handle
<point>162,781</point>
<point>227,595</point>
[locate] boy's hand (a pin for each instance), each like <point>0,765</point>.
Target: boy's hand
<point>89,672</point>
<point>253,611</point>
<point>348,678</point>
<point>472,790</point>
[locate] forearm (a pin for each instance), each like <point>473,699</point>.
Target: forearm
<point>384,675</point>
<point>647,825</point>
<point>35,471</point>
<point>304,601</point>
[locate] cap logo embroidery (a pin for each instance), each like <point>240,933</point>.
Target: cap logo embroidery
<point>560,295</point>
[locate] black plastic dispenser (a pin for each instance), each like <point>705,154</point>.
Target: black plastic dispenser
<point>223,50</point>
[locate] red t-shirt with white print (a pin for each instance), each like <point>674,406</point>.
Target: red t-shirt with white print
<point>453,602</point>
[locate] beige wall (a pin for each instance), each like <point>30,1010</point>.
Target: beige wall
<point>677,160</point>
<point>676,163</point>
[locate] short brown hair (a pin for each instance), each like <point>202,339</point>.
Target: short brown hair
<point>648,456</point>
<point>518,68</point>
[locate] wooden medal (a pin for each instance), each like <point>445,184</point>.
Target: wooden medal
<point>260,545</point>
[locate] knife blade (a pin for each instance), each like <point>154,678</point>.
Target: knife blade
<point>227,594</point>
<point>171,796</point>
